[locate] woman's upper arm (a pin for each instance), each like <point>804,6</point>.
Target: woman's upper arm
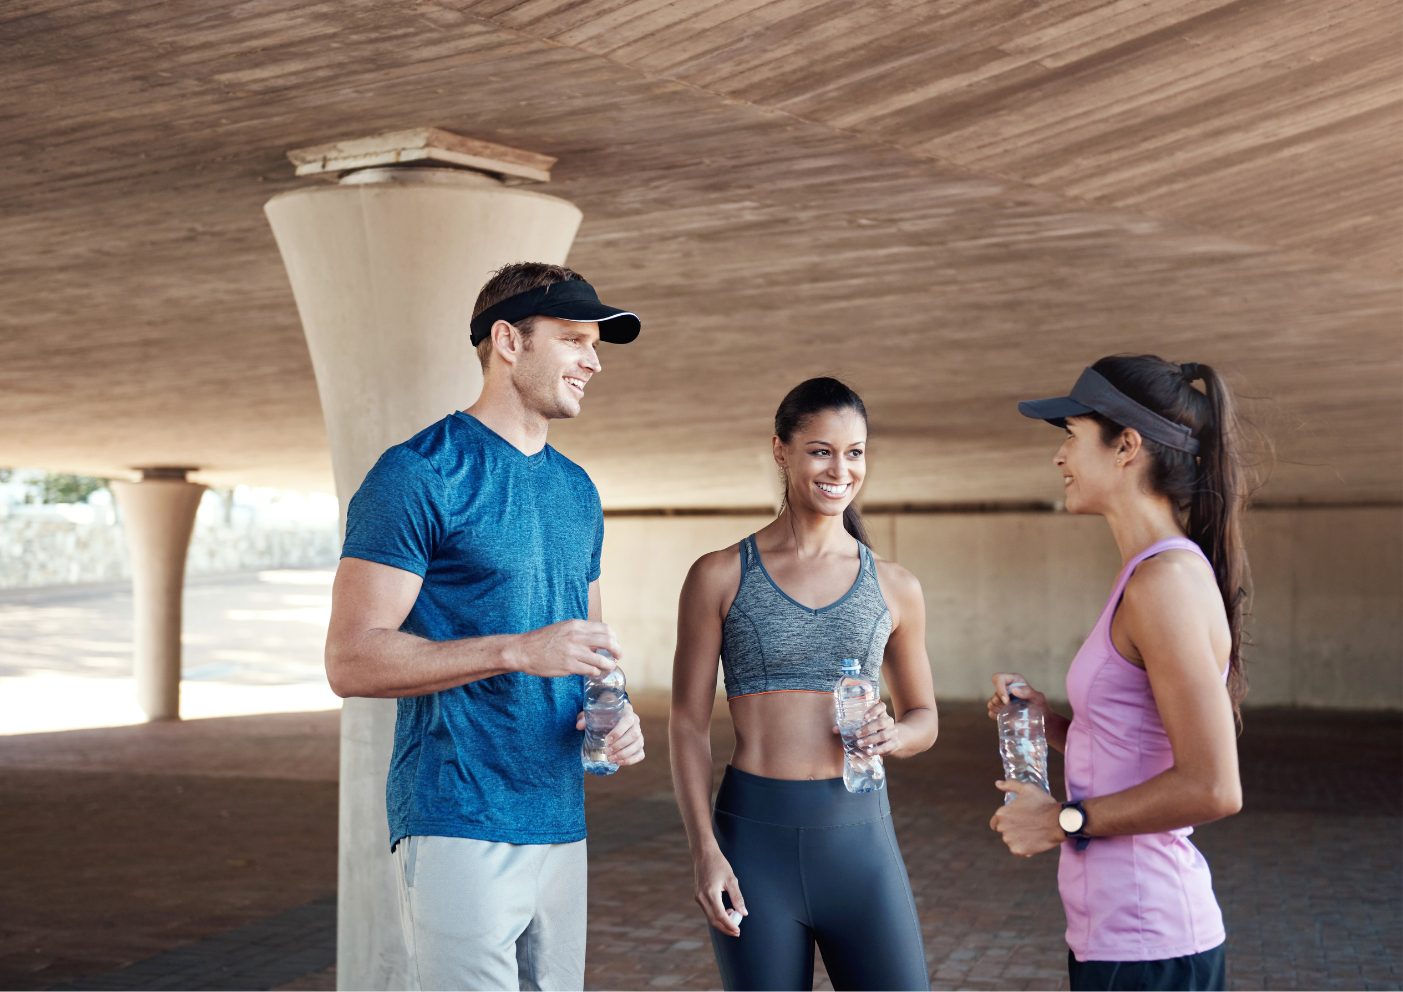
<point>1173,614</point>
<point>906,663</point>
<point>698,651</point>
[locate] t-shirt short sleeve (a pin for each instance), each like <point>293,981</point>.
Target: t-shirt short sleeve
<point>598,553</point>
<point>394,518</point>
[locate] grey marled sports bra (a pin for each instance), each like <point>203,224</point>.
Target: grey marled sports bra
<point>771,643</point>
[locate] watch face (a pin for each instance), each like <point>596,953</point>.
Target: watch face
<point>1071,819</point>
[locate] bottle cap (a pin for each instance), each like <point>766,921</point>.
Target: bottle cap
<point>735,917</point>
<point>614,677</point>
<point>851,665</point>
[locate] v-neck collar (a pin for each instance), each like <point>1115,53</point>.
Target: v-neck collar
<point>531,460</point>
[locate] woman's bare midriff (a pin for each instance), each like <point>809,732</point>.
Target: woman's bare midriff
<point>786,735</point>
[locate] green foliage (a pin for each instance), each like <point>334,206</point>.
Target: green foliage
<point>51,488</point>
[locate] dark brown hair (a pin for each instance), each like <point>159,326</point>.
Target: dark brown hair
<point>507,282</point>
<point>1209,489</point>
<point>814,396</point>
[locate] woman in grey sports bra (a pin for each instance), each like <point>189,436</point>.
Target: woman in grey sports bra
<point>802,860</point>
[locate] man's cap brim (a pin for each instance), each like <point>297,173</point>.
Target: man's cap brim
<point>573,300</point>
<point>1055,411</point>
<point>615,326</point>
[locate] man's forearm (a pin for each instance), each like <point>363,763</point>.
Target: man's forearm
<point>391,663</point>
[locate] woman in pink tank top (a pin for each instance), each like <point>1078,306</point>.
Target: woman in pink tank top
<point>1150,749</point>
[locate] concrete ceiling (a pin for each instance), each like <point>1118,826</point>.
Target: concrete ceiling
<point>951,204</point>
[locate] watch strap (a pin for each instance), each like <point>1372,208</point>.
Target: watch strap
<point>1080,836</point>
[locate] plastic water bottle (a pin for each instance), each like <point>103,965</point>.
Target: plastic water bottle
<point>1022,743</point>
<point>853,696</point>
<point>604,707</point>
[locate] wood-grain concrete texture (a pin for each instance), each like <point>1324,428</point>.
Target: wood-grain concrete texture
<point>953,205</point>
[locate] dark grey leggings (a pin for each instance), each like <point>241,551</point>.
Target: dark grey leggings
<point>815,863</point>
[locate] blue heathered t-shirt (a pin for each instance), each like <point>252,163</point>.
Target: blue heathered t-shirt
<point>506,543</point>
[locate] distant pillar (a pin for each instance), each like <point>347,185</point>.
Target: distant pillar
<point>385,268</point>
<point>158,515</point>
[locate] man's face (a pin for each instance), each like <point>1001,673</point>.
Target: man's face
<point>556,365</point>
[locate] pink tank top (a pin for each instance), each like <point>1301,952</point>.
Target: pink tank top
<point>1142,897</point>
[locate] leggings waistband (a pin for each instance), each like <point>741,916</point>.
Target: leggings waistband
<point>797,802</point>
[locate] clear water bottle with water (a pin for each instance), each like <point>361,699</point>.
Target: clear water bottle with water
<point>604,707</point>
<point>1022,743</point>
<point>853,696</point>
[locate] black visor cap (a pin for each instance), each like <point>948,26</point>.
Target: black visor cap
<point>574,300</point>
<point>1093,393</point>
<point>1054,411</point>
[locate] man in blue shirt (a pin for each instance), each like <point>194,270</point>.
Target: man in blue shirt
<point>469,591</point>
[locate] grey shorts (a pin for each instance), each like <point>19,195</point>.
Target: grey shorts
<point>483,915</point>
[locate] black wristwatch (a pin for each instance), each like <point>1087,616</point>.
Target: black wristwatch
<point>1072,820</point>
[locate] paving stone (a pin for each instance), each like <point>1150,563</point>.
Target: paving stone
<point>1310,875</point>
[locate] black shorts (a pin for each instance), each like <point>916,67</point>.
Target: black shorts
<point>1202,972</point>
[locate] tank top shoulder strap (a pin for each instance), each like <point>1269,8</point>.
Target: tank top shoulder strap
<point>1168,544</point>
<point>1103,625</point>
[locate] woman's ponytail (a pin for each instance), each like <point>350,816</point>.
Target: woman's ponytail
<point>852,523</point>
<point>1215,515</point>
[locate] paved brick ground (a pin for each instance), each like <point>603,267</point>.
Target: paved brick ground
<point>117,845</point>
<point>201,855</point>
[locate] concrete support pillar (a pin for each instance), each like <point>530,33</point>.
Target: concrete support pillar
<point>385,267</point>
<point>158,515</point>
